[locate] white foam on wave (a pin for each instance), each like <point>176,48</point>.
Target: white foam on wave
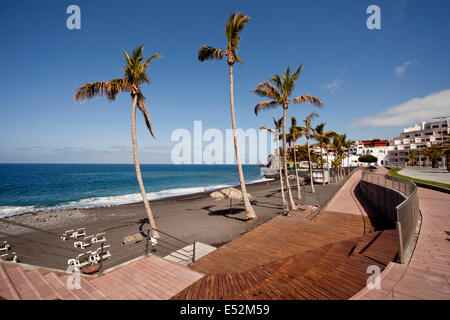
<point>113,200</point>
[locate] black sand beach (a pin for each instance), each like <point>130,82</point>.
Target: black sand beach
<point>191,218</point>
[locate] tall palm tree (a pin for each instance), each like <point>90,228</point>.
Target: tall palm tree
<point>295,133</point>
<point>276,132</point>
<point>279,90</point>
<point>323,138</point>
<point>235,24</point>
<point>136,73</point>
<point>308,131</point>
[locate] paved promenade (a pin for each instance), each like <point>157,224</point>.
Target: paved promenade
<point>431,174</point>
<point>345,200</point>
<point>428,274</point>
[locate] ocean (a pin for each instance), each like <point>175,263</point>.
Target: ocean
<point>43,187</point>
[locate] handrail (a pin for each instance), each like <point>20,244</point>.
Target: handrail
<point>186,255</point>
<point>30,227</point>
<point>406,215</point>
<point>157,230</point>
<point>37,242</point>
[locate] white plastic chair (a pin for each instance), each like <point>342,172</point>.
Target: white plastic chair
<point>5,246</point>
<point>99,238</point>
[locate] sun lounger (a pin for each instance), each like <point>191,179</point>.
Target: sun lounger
<point>10,256</point>
<point>97,255</point>
<point>99,238</point>
<point>83,244</point>
<point>80,232</point>
<point>67,234</point>
<point>4,246</point>
<point>82,260</point>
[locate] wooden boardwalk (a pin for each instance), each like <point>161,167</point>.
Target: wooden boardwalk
<point>295,258</point>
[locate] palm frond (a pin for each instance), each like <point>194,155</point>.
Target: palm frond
<point>155,56</point>
<point>278,123</point>
<point>296,74</point>
<point>267,90</point>
<point>136,71</point>
<point>110,89</point>
<point>265,105</point>
<point>277,81</point>
<point>209,53</point>
<point>235,24</point>
<point>236,58</point>
<point>306,98</point>
<point>265,128</point>
<point>141,106</point>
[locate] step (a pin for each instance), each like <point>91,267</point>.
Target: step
<point>23,285</point>
<point>92,290</point>
<point>42,285</point>
<point>302,270</point>
<point>184,255</point>
<point>81,292</point>
<point>61,287</point>
<point>7,290</point>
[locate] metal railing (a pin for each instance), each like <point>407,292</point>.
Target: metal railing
<point>47,249</point>
<point>403,210</point>
<point>171,244</point>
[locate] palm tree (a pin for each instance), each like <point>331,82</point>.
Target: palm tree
<point>335,163</point>
<point>323,138</point>
<point>234,25</point>
<point>276,131</point>
<point>136,73</point>
<point>412,154</point>
<point>294,134</point>
<point>435,153</point>
<point>347,144</point>
<point>308,131</point>
<point>336,147</point>
<point>278,90</point>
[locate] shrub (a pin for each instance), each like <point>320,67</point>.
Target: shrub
<point>367,158</point>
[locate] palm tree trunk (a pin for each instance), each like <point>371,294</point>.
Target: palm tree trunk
<point>328,166</point>
<point>299,196</point>
<point>248,207</point>
<point>348,162</point>
<point>310,167</point>
<point>321,165</point>
<point>286,174</point>
<point>283,198</point>
<point>138,170</point>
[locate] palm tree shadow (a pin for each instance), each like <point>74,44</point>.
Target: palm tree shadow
<point>142,223</point>
<point>225,212</point>
<point>266,205</point>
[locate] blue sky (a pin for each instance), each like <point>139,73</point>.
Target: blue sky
<point>366,78</point>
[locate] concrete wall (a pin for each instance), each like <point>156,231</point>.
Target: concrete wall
<point>384,199</point>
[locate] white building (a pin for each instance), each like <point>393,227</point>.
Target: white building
<point>417,137</point>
